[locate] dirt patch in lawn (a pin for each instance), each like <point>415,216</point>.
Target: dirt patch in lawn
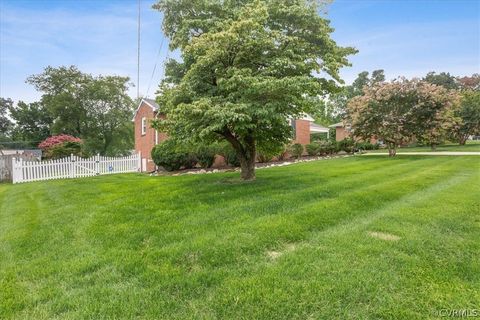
<point>384,236</point>
<point>276,254</point>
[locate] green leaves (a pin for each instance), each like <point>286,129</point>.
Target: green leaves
<point>97,109</point>
<point>247,67</point>
<point>402,109</point>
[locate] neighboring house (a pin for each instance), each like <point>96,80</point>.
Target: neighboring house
<point>6,160</point>
<point>343,131</point>
<point>146,137</point>
<point>316,128</point>
<point>26,153</point>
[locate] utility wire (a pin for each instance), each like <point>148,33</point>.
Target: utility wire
<point>155,66</point>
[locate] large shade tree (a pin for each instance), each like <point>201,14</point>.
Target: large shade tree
<point>96,109</point>
<point>5,123</point>
<point>32,123</point>
<point>444,79</point>
<point>397,111</point>
<point>469,113</point>
<point>333,109</point>
<point>246,68</point>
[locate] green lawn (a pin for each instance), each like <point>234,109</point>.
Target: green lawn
<point>350,238</point>
<point>471,146</point>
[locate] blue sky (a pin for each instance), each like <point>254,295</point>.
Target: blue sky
<point>406,38</point>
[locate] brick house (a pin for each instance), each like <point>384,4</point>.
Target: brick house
<point>146,137</point>
<point>343,131</point>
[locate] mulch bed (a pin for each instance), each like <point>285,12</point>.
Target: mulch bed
<point>257,166</point>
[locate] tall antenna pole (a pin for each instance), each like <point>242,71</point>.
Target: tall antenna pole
<point>138,53</point>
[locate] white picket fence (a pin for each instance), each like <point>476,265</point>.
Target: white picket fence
<point>73,167</point>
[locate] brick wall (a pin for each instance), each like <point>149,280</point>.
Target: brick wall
<point>302,131</point>
<point>341,133</point>
<point>144,143</point>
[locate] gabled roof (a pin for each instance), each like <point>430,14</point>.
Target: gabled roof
<point>307,117</point>
<point>152,103</point>
<point>149,102</point>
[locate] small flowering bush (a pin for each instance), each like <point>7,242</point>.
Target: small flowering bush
<point>59,139</point>
<point>60,146</point>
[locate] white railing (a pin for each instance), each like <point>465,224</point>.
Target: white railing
<point>72,167</point>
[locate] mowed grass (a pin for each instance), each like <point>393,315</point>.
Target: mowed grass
<point>470,146</point>
<point>351,238</point>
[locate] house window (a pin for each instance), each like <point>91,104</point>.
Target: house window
<point>144,126</point>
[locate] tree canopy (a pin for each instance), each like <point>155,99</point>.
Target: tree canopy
<point>469,113</point>
<point>333,109</point>
<point>247,67</point>
<point>443,79</point>
<point>397,111</point>
<point>96,109</point>
<point>32,123</point>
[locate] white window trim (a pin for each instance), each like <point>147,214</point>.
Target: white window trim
<point>144,126</point>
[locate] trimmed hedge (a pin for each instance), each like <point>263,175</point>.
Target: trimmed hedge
<point>296,150</point>
<point>172,157</point>
<point>313,149</point>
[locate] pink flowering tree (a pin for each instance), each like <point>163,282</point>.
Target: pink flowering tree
<point>400,110</point>
<point>61,145</point>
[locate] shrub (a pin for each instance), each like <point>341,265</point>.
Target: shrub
<point>61,146</point>
<point>367,146</point>
<point>56,140</point>
<point>231,158</point>
<point>346,145</point>
<point>332,132</point>
<point>265,153</point>
<point>318,136</point>
<point>323,148</point>
<point>230,155</point>
<point>172,156</point>
<point>283,154</point>
<point>190,160</point>
<point>313,149</point>
<point>63,150</point>
<point>331,147</point>
<point>205,155</point>
<point>296,150</point>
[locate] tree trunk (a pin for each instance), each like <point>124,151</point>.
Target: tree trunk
<point>246,153</point>
<point>463,140</point>
<point>247,160</point>
<point>248,168</point>
<point>433,146</point>
<point>392,149</point>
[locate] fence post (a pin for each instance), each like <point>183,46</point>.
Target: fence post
<point>14,170</point>
<point>97,164</point>
<point>17,170</point>
<point>139,161</point>
<point>72,166</point>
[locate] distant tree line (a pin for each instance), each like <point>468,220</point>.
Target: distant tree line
<point>96,109</point>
